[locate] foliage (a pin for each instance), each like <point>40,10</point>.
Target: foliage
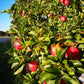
<point>37,24</point>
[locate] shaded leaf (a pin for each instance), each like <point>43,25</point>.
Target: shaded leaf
<point>69,80</point>
<point>19,70</point>
<point>53,70</point>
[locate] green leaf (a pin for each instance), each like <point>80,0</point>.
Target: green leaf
<point>32,33</point>
<point>68,37</point>
<point>15,55</point>
<point>52,58</point>
<point>57,49</point>
<point>68,43</point>
<point>14,64</point>
<point>81,46</point>
<point>61,54</point>
<point>66,65</point>
<point>28,76</point>
<point>45,49</point>
<point>77,36</point>
<point>70,70</point>
<point>27,43</point>
<point>69,80</point>
<point>53,70</point>
<point>48,62</point>
<point>57,80</point>
<point>19,70</point>
<point>76,62</point>
<point>3,11</point>
<point>12,60</point>
<point>82,60</point>
<point>80,70</point>
<point>51,82</point>
<point>47,76</point>
<point>47,39</point>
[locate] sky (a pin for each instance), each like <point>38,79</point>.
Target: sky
<point>5,20</point>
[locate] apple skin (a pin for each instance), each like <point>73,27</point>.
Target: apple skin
<point>73,53</point>
<point>23,13</point>
<point>63,82</point>
<point>44,83</point>
<point>18,45</point>
<point>58,36</point>
<point>61,1</point>
<point>52,49</point>
<point>66,2</point>
<point>33,66</point>
<point>38,27</point>
<point>62,18</point>
<point>19,12</point>
<point>49,15</point>
<point>30,12</point>
<point>26,16</point>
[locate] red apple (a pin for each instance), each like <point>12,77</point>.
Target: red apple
<point>23,13</point>
<point>44,83</point>
<point>38,27</point>
<point>18,45</point>
<point>61,1</point>
<point>19,12</point>
<point>63,82</point>
<point>58,36</point>
<point>73,53</point>
<point>26,16</point>
<point>62,18</point>
<point>33,66</point>
<point>28,38</point>
<point>66,2</point>
<point>30,12</point>
<point>49,15</point>
<point>52,49</point>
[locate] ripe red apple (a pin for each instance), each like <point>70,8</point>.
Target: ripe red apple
<point>63,82</point>
<point>23,13</point>
<point>66,2</point>
<point>73,53</point>
<point>58,36</point>
<point>45,83</point>
<point>33,66</point>
<point>49,15</point>
<point>18,45</point>
<point>19,12</point>
<point>61,1</point>
<point>30,12</point>
<point>62,18</point>
<point>28,38</point>
<point>38,27</point>
<point>26,16</point>
<point>52,49</point>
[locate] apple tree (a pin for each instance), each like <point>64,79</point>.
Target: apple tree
<point>47,41</point>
